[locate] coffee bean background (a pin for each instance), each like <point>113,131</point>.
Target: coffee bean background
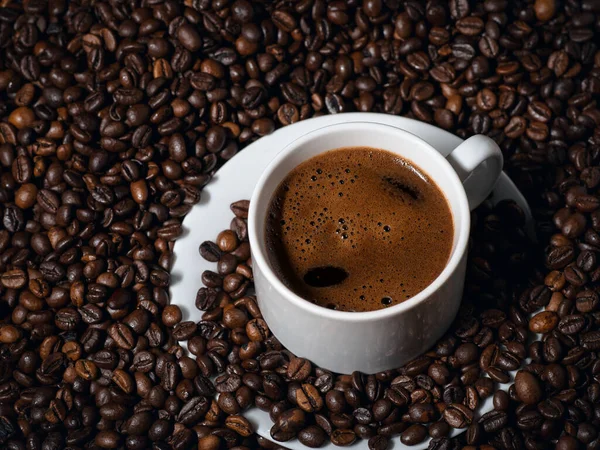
<point>114,115</point>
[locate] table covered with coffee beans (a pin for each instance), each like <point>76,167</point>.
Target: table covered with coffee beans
<point>113,117</point>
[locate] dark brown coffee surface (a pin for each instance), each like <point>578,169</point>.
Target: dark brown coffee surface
<point>358,229</point>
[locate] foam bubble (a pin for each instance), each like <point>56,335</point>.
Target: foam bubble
<point>386,301</point>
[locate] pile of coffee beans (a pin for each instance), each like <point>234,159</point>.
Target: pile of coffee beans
<point>114,115</point>
<point>428,397</point>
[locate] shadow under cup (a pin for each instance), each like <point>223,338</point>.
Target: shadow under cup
<point>366,341</point>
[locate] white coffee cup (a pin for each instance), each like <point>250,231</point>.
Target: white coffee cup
<point>378,340</point>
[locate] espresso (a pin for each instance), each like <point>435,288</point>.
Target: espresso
<point>358,229</point>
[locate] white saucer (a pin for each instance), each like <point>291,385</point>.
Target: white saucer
<point>236,181</point>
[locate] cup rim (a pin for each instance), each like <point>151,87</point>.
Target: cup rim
<point>259,258</point>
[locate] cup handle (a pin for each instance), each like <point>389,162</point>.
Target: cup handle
<point>478,162</point>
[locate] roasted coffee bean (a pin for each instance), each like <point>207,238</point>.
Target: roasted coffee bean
<point>193,410</point>
<point>527,387</point>
<point>413,435</point>
<point>421,412</point>
<point>239,424</point>
<point>458,415</point>
<point>343,437</point>
<point>171,315</point>
<point>501,401</point>
<point>257,330</point>
<point>228,383</point>
<point>9,334</point>
<point>184,330</point>
<point>288,424</point>
<point>493,421</point>
<point>312,436</point>
<point>551,408</point>
<point>591,341</point>
<point>299,369</point>
<point>543,322</point>
<point>13,279</point>
<point>122,335</point>
<point>308,398</point>
<point>571,324</point>
<point>559,257</point>
<point>439,429</point>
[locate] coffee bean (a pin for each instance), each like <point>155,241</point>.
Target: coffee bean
<point>458,415</point>
<point>239,424</point>
<point>421,412</point>
<point>413,435</point>
<point>591,340</point>
<point>189,37</point>
<point>108,439</point>
<point>171,315</point>
<point>228,383</point>
<point>571,324</point>
<point>559,257</point>
<point>543,322</point>
<point>227,241</point>
<point>567,443</point>
<point>122,335</point>
<point>123,380</point>
<point>288,114</point>
<point>378,442</point>
<point>138,424</point>
<point>335,400</point>
<point>235,318</point>
<point>551,408</point>
<point>184,330</point>
<point>257,330</point>
<point>342,437</point>
<point>193,410</point>
<point>587,301</point>
<point>544,9</point>
<point>9,334</point>
<point>439,429</point>
<point>501,401</point>
<point>527,387</point>
<point>493,421</point>
<point>459,8</point>
<point>288,424</point>
<point>48,201</point>
<point>13,279</point>
<point>240,208</point>
<point>299,369</point>
<point>529,420</point>
<point>86,369</point>
<point>312,436</point>
<point>308,398</point>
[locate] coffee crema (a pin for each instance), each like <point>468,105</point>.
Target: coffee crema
<point>358,229</point>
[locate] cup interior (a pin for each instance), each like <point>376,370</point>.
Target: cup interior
<point>359,134</point>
